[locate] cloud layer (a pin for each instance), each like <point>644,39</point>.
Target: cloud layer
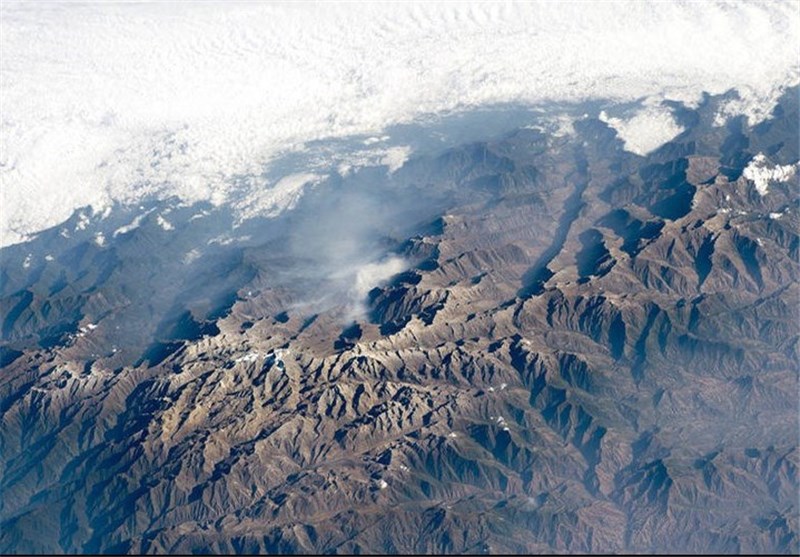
<point>115,102</point>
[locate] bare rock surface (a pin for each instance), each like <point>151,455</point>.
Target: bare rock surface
<point>588,351</point>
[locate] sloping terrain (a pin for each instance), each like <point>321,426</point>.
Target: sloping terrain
<point>589,351</point>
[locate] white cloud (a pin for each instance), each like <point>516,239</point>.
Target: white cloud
<point>393,157</point>
<point>272,200</point>
<point>374,274</point>
<point>761,174</point>
<point>114,102</point>
<point>134,224</point>
<point>396,157</point>
<point>647,130</point>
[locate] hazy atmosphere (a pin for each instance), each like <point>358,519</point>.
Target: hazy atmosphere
<point>399,278</point>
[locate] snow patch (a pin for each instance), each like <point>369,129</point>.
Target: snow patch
<point>228,240</point>
<point>164,223</point>
<point>248,358</point>
<point>191,256</point>
<point>85,329</point>
<point>83,221</point>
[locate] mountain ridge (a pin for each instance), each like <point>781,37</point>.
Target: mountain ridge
<point>590,351</point>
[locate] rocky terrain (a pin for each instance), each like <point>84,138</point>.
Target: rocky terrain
<point>588,350</point>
